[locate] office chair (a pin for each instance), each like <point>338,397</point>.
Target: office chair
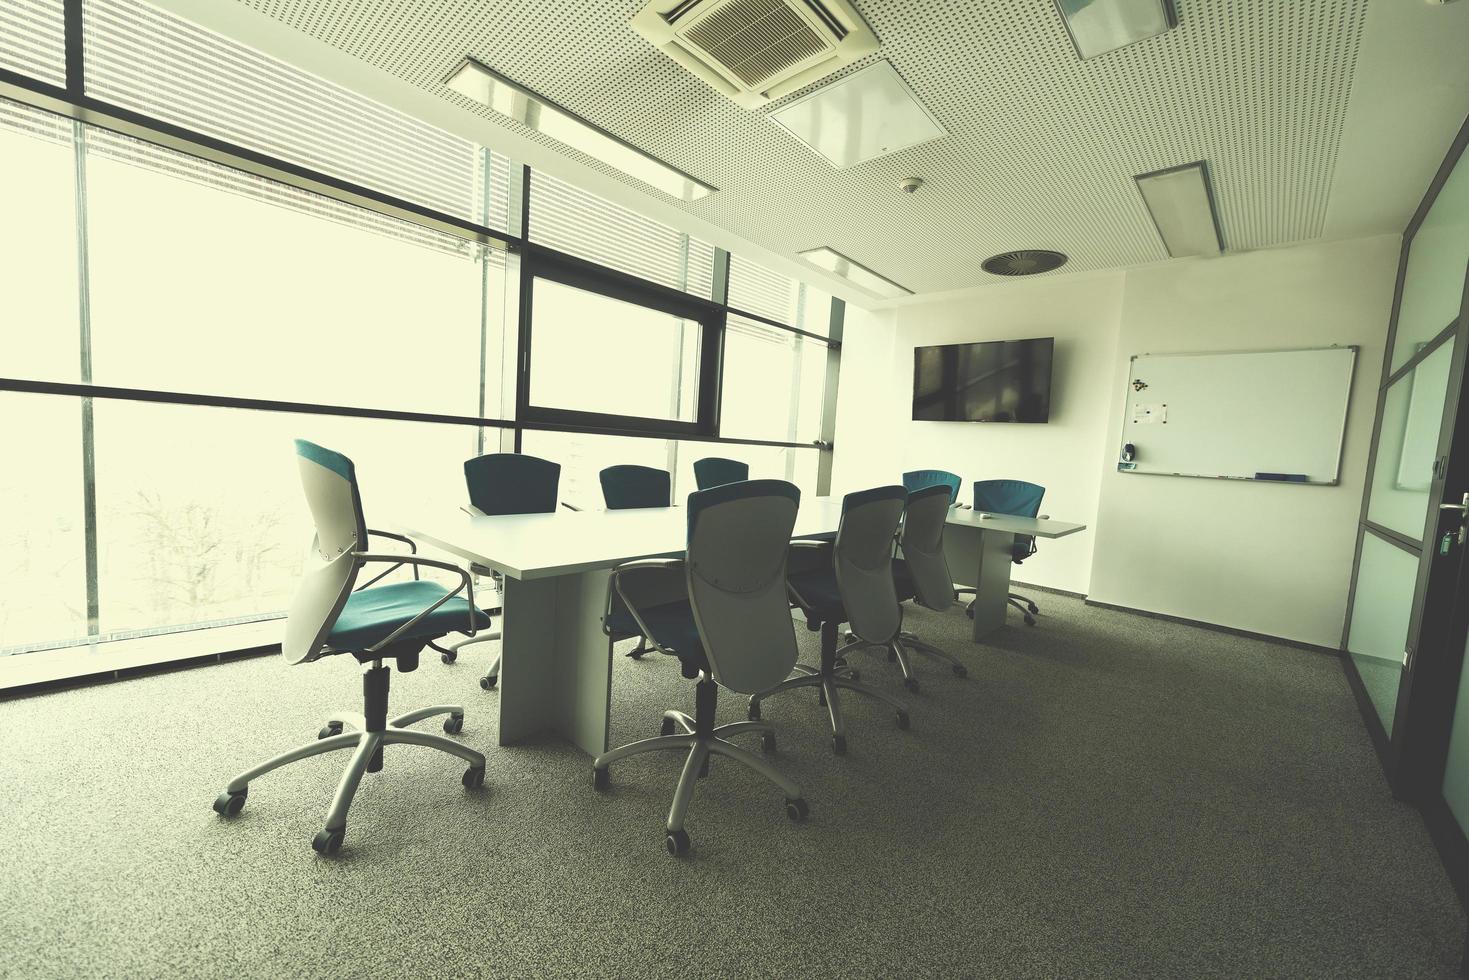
<point>922,574</point>
<point>627,487</point>
<point>1017,499</point>
<point>918,479</point>
<point>722,611</point>
<point>714,471</point>
<point>847,581</point>
<point>332,614</point>
<point>501,484</point>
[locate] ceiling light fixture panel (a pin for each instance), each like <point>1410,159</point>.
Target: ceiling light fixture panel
<point>514,101</point>
<point>1099,26</point>
<point>1180,201</point>
<point>854,272</point>
<point>867,114</point>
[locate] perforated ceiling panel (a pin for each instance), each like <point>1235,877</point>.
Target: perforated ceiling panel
<point>1041,150</point>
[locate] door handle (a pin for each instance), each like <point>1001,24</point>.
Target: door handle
<point>1462,507</point>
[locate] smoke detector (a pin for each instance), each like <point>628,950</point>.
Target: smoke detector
<point>910,185</point>
<point>1024,262</point>
<point>755,51</point>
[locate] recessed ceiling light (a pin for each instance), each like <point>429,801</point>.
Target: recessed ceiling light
<point>858,275</point>
<point>867,114</point>
<point>1099,26</point>
<point>1182,206</point>
<point>515,101</point>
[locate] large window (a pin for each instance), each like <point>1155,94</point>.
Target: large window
<point>32,39</point>
<point>155,62</point>
<point>597,354</point>
<point>255,290</point>
<point>580,223</point>
<point>223,253</point>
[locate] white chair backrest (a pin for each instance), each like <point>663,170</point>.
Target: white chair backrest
<point>736,573</point>
<point>330,483</point>
<point>863,557</point>
<point>922,541</point>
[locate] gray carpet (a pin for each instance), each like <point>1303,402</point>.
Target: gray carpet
<point>1105,795</point>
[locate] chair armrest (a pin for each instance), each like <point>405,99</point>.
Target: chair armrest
<point>1044,517</point>
<point>637,581</point>
<point>412,548</point>
<point>466,585</point>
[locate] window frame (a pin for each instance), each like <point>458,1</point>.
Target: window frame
<point>543,263</point>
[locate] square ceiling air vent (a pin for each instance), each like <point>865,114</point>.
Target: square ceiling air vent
<point>757,50</point>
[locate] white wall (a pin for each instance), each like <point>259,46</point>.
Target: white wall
<point>1269,558</point>
<point>1063,455</point>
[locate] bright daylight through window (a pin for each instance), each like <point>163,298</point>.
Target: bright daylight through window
<point>171,323</point>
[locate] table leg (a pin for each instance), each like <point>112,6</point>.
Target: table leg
<point>556,664</point>
<point>987,553</point>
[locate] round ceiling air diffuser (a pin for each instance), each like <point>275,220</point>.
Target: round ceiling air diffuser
<point>1025,262</point>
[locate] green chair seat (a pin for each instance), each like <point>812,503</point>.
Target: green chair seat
<point>373,614</point>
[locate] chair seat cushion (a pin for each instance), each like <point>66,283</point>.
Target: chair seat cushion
<point>818,594</point>
<point>903,580</point>
<point>373,614</point>
<point>673,628</point>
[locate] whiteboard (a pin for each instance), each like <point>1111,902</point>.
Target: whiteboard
<point>1276,416</point>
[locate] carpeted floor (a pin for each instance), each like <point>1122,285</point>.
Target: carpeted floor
<point>1105,795</point>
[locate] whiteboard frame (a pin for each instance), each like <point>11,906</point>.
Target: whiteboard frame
<point>1127,394</point>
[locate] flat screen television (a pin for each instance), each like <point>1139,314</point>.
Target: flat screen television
<point>994,381</point>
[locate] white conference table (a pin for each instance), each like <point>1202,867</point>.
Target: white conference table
<point>556,663</point>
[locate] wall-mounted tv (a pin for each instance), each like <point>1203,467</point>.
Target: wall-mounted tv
<point>995,381</point>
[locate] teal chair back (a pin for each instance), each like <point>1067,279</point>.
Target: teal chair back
<point>512,483</point>
<point>715,471</point>
<point>735,571</point>
<point>918,479</point>
<point>627,486</point>
<point>922,541</point>
<point>330,483</point>
<point>863,560</point>
<point>1016,498</point>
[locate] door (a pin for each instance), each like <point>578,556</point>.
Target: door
<point>1409,608</point>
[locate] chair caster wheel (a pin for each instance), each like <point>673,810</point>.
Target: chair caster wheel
<point>474,777</point>
<point>797,809</point>
<point>754,713</point>
<point>911,683</point>
<point>329,729</point>
<point>228,804</point>
<point>489,681</point>
<point>960,670</point>
<point>328,841</point>
<point>601,778</point>
<point>767,742</point>
<point>903,720</point>
<point>677,842</point>
<point>453,725</point>
<point>839,744</point>
<point>1029,620</point>
<point>449,656</point>
<point>1033,607</point>
<point>667,727</point>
